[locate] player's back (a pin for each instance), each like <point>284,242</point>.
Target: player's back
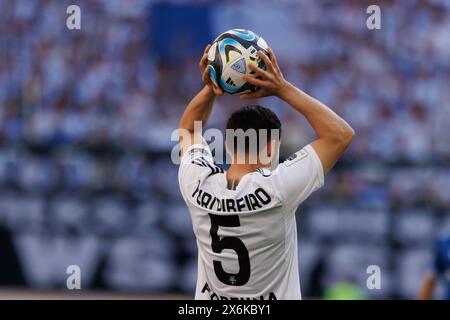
<point>247,238</point>
<point>247,245</point>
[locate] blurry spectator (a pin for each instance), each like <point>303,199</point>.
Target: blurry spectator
<point>86,118</point>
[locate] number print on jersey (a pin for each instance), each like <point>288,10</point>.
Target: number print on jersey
<point>233,243</point>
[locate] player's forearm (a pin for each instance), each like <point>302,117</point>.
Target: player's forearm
<point>325,122</point>
<point>199,109</point>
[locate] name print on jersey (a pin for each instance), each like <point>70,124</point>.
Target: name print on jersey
<point>214,296</point>
<point>249,202</point>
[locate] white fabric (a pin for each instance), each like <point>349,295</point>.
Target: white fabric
<point>256,221</point>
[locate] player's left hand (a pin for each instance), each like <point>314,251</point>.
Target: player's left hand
<point>203,64</point>
<point>272,81</point>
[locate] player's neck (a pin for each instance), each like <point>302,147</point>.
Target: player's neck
<point>237,171</point>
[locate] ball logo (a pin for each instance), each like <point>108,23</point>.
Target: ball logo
<point>239,66</point>
<point>230,82</point>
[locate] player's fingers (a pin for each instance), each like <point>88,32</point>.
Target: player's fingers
<point>264,74</point>
<point>207,49</point>
<point>204,59</point>
<point>266,60</point>
<point>272,56</point>
<point>202,62</point>
<point>256,82</point>
<point>205,74</point>
<point>205,55</point>
<point>217,91</point>
<point>206,78</point>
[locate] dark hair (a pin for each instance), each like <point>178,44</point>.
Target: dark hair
<point>254,117</point>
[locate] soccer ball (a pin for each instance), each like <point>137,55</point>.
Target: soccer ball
<point>229,58</point>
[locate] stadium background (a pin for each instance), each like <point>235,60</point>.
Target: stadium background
<point>86,118</point>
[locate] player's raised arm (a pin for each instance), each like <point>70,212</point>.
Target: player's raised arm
<point>199,109</point>
<point>334,133</point>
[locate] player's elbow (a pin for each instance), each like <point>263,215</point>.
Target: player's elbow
<point>185,126</point>
<point>345,136</point>
<point>349,135</point>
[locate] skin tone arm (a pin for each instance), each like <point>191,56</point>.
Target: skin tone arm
<point>427,289</point>
<point>334,133</point>
<point>199,109</point>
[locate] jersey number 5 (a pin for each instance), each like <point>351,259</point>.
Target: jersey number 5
<point>233,243</point>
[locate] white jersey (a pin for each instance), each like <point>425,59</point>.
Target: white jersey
<point>247,238</point>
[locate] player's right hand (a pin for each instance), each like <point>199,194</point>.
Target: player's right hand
<point>271,82</point>
<point>205,73</point>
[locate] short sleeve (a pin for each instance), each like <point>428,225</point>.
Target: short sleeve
<point>298,177</point>
<point>197,163</point>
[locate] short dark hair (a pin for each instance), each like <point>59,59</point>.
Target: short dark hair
<point>254,117</point>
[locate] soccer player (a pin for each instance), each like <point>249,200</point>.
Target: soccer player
<point>244,219</point>
<point>441,270</point>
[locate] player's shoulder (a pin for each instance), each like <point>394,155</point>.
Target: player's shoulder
<point>198,150</point>
<point>290,161</point>
<point>264,173</point>
<point>198,161</point>
<point>298,156</point>
<point>266,179</point>
<point>206,164</point>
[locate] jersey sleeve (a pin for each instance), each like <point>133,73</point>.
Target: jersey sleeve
<point>196,164</point>
<point>298,177</point>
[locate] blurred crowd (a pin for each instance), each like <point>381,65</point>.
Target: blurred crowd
<point>86,118</point>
